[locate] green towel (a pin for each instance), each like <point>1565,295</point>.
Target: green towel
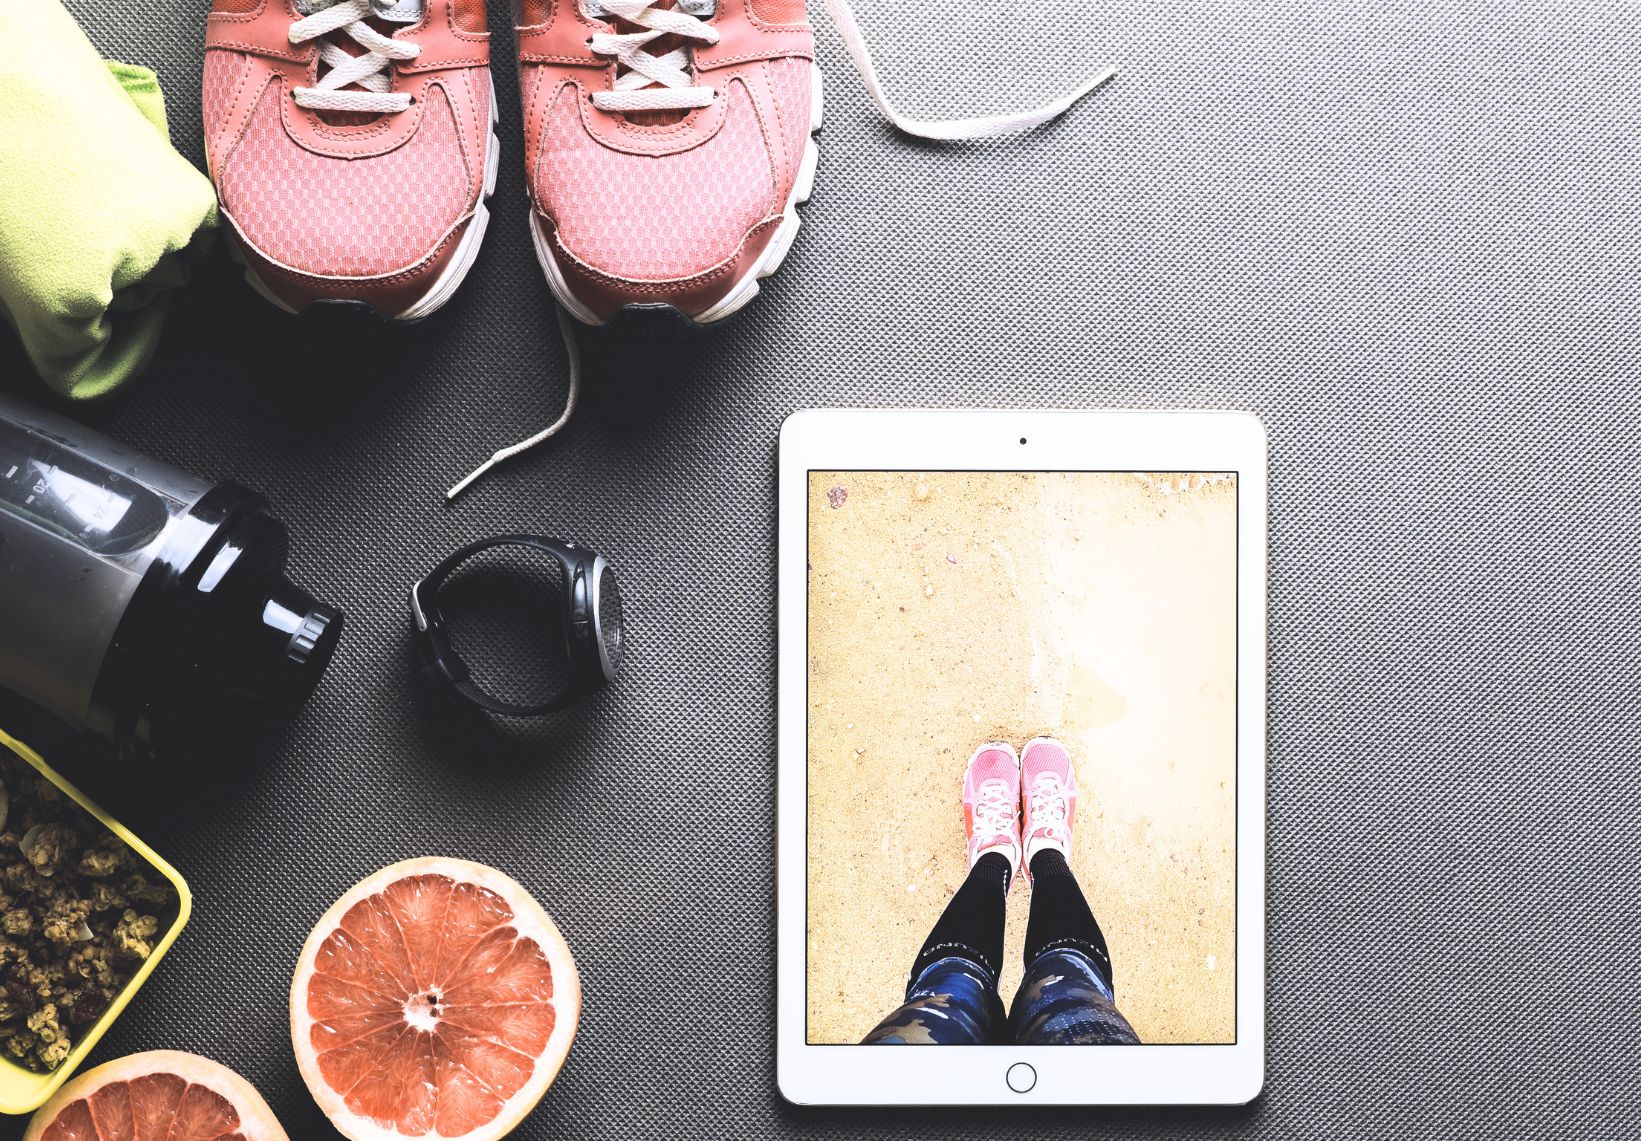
<point>97,209</point>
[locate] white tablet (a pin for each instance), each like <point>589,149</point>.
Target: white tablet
<point>1021,799</point>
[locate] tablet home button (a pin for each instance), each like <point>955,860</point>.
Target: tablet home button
<point>1021,1077</point>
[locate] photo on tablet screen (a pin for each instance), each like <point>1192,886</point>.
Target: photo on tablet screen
<point>1021,744</point>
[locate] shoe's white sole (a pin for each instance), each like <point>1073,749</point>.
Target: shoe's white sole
<point>768,262</point>
<point>467,252</point>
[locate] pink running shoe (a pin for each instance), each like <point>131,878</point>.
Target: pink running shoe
<point>667,147</point>
<point>991,803</point>
<point>1048,797</point>
<point>352,145</point>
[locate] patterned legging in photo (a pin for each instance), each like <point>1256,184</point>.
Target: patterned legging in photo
<point>1066,997</point>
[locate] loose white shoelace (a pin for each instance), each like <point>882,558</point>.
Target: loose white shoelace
<point>367,70</point>
<point>995,810</point>
<point>974,127</point>
<point>567,331</point>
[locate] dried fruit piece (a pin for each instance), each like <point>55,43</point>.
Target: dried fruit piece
<point>70,937</point>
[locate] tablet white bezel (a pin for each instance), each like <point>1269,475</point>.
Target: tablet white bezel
<point>885,440</point>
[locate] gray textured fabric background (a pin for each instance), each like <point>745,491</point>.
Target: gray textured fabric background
<point>1404,233</point>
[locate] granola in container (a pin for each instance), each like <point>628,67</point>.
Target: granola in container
<point>80,913</point>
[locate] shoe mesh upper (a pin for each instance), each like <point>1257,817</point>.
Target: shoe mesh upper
<point>338,217</point>
<point>789,79</point>
<point>656,217</point>
<point>223,72</point>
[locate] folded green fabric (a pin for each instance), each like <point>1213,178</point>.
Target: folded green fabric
<point>97,210</point>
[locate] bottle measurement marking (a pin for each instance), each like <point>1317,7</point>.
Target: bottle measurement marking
<point>12,472</point>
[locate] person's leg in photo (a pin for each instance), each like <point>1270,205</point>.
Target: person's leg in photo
<point>1067,996</point>
<point>952,997</point>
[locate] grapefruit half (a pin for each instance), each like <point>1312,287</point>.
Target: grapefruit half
<point>163,1093</point>
<point>435,999</point>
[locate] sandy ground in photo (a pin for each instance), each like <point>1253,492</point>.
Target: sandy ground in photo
<point>950,609</point>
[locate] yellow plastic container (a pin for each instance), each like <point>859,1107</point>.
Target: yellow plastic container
<point>24,1091</point>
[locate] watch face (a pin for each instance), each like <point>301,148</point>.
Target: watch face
<point>608,615</point>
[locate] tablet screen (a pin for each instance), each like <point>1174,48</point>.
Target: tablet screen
<point>1021,757</point>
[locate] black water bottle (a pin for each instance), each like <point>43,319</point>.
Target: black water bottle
<point>140,603</point>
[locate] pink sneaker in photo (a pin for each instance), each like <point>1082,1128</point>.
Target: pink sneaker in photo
<point>667,147</point>
<point>1048,792</point>
<point>352,145</point>
<point>991,803</point>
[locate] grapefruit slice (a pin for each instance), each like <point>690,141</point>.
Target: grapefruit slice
<point>163,1093</point>
<point>435,999</point>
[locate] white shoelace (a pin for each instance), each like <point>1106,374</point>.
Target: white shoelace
<point>975,127</point>
<point>646,82</point>
<point>1048,807</point>
<point>568,332</point>
<point>995,809</point>
<point>367,70</point>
